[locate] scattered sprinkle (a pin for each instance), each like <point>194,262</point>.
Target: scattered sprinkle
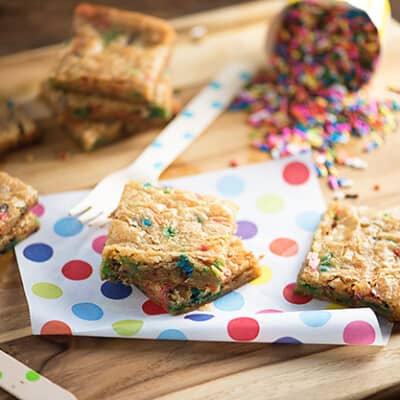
<point>377,187</point>
<point>310,98</point>
<point>351,196</point>
<point>233,163</point>
<point>170,232</point>
<point>147,222</point>
<point>396,251</point>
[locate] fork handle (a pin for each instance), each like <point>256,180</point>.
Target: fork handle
<point>199,113</point>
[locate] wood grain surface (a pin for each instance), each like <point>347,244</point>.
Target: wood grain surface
<point>138,369</point>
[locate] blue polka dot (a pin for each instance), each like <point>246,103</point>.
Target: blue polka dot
<point>315,319</point>
<point>68,226</point>
<point>87,311</point>
<point>288,340</point>
<point>158,165</point>
<point>38,252</point>
<point>172,334</point>
<point>245,76</point>
<point>308,220</point>
<point>232,301</point>
<point>156,144</point>
<point>217,104</point>
<point>230,185</point>
<point>199,317</point>
<point>115,291</point>
<point>187,114</point>
<point>215,85</point>
<point>188,135</point>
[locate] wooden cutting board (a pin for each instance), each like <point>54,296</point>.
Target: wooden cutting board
<point>136,369</point>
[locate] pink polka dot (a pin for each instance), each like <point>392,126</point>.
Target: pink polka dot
<point>151,308</point>
<point>55,328</point>
<point>77,270</point>
<point>296,173</point>
<point>38,209</point>
<point>243,329</point>
<point>269,311</point>
<point>292,297</point>
<point>359,332</point>
<point>284,247</point>
<point>98,243</point>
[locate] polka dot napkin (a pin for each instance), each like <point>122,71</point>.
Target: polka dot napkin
<point>280,207</point>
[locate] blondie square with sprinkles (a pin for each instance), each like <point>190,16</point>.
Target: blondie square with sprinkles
<point>243,266</point>
<point>169,235</point>
<point>115,53</point>
<point>355,260</point>
<point>90,135</point>
<point>16,198</point>
<point>27,225</point>
<point>74,105</point>
<point>16,128</point>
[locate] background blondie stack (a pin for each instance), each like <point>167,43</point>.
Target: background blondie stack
<point>111,80</point>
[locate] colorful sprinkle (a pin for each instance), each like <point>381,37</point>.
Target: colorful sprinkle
<point>309,98</point>
<point>147,222</point>
<point>185,263</point>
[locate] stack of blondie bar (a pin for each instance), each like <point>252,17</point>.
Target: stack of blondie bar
<point>16,128</point>
<point>111,80</point>
<point>176,246</point>
<point>16,220</point>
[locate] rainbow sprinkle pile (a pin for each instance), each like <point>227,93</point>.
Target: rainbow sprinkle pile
<point>298,106</point>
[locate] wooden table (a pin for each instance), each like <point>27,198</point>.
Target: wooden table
<point>95,368</point>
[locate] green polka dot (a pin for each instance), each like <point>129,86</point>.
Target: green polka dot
<point>270,203</point>
<point>127,327</point>
<point>1,374</point>
<point>32,376</point>
<point>47,290</point>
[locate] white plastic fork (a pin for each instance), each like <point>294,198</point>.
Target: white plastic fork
<point>187,126</point>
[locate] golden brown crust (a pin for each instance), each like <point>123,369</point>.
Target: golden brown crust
<point>355,259</point>
<point>24,227</point>
<point>16,198</point>
<point>16,128</point>
<point>185,297</point>
<point>83,107</point>
<point>115,53</point>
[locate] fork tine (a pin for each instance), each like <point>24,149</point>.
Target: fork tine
<point>79,209</point>
<point>89,215</point>
<point>100,221</point>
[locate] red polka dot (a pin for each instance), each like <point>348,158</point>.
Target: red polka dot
<point>151,308</point>
<point>269,311</point>
<point>77,270</point>
<point>98,243</point>
<point>38,210</point>
<point>284,247</point>
<point>359,333</point>
<point>292,297</point>
<point>55,328</point>
<point>243,329</point>
<point>296,173</point>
